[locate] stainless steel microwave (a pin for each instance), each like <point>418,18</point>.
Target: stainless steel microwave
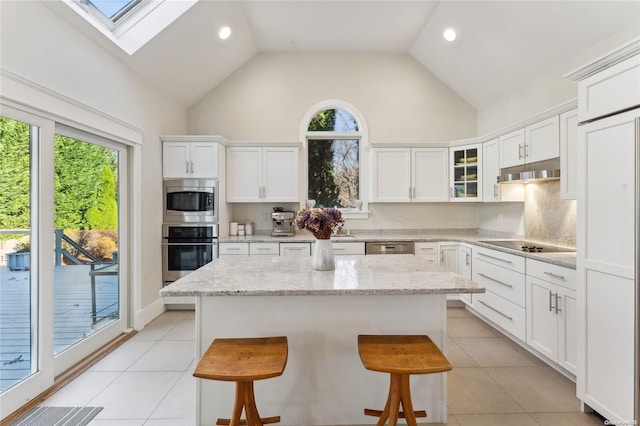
<point>190,200</point>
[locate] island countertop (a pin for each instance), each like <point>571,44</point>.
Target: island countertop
<point>293,276</point>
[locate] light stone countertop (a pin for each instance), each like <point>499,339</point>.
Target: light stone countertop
<point>470,236</point>
<point>293,276</point>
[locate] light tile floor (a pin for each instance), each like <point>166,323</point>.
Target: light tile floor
<point>147,381</point>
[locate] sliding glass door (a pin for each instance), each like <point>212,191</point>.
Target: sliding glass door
<point>63,250</point>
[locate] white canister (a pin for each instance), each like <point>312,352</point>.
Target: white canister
<point>248,228</point>
<point>240,230</point>
<point>233,228</point>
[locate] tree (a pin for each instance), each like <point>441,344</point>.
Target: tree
<point>104,214</point>
<point>322,181</point>
<point>14,174</point>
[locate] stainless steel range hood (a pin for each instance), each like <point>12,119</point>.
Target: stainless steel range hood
<point>541,171</point>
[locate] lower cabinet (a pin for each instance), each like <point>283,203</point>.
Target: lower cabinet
<point>465,270</point>
<point>449,257</point>
<point>427,251</point>
<point>264,249</point>
<point>551,313</point>
<point>348,248</point>
<point>295,249</point>
<point>503,302</point>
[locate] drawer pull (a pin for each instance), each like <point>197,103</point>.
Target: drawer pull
<point>496,258</point>
<point>494,280</point>
<point>551,274</point>
<point>294,248</point>
<point>263,248</point>
<point>338,249</point>
<point>232,248</point>
<point>427,248</point>
<point>496,311</point>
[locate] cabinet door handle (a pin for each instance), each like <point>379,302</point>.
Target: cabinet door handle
<point>468,258</point>
<point>551,274</point>
<point>338,249</point>
<point>526,146</point>
<point>186,167</point>
<point>495,310</point>
<point>558,298</point>
<point>494,280</point>
<point>410,193</point>
<point>191,166</point>
<point>232,248</point>
<point>495,258</point>
<point>452,192</point>
<point>550,303</point>
<point>495,190</point>
<point>520,149</point>
<point>427,248</point>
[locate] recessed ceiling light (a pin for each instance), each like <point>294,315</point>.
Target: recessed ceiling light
<point>224,33</point>
<point>449,34</point>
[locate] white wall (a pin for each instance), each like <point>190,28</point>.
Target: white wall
<point>41,48</point>
<point>548,89</point>
<point>401,101</point>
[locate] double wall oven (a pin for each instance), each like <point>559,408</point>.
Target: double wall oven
<point>190,229</point>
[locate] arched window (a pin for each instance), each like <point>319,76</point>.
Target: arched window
<point>333,151</point>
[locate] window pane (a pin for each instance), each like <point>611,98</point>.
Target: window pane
<point>113,9</point>
<point>333,120</point>
<point>18,320</point>
<point>86,281</point>
<point>334,172</point>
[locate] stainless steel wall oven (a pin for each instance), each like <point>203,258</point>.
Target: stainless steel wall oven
<point>186,247</point>
<point>190,200</point>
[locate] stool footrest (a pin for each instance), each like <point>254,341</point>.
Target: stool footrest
<point>378,413</point>
<point>266,421</point>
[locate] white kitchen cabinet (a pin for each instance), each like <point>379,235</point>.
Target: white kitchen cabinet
<point>551,313</point>
<point>264,249</point>
<point>262,174</point>
<point>610,90</point>
<point>503,303</point>
<point>492,191</point>
<point>606,220</point>
<point>537,142</point>
<point>449,256</point>
<point>409,175</point>
<point>295,249</point>
<point>427,250</point>
<point>465,270</point>
<point>195,160</point>
<point>348,248</point>
<point>568,154</point>
<point>233,249</point>
<point>466,173</point>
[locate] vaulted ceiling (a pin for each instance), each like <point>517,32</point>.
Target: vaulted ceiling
<point>500,45</point>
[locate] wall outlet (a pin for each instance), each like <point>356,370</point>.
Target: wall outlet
<point>399,217</point>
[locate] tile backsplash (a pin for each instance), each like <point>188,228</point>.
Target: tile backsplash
<point>548,218</point>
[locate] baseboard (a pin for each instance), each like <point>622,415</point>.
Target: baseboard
<point>147,314</point>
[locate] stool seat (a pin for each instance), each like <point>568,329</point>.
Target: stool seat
<point>244,360</point>
<point>400,356</point>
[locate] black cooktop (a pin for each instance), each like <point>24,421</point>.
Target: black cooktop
<point>529,246</point>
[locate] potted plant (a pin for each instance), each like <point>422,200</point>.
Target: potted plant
<point>20,260</point>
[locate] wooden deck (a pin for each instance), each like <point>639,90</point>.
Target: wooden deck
<point>73,314</point>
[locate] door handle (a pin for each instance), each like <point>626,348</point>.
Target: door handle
<point>550,303</point>
<point>494,280</point>
<point>520,149</point>
<point>558,297</point>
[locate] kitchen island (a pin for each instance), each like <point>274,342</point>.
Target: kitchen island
<point>321,313</point>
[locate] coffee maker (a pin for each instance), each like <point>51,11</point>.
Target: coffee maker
<point>282,223</point>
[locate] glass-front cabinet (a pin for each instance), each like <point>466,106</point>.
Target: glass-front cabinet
<point>466,173</point>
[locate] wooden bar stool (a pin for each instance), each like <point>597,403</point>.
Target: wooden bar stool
<point>400,356</point>
<point>243,361</point>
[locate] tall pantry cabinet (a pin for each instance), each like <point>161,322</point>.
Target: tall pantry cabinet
<point>607,234</point>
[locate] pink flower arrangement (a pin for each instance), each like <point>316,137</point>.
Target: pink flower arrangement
<point>321,222</point>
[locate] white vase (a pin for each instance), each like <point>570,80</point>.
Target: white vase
<point>322,258</point>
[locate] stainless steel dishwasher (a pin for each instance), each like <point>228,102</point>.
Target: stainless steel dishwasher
<point>389,247</point>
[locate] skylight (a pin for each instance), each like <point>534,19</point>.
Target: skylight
<point>113,9</point>
<point>118,19</point>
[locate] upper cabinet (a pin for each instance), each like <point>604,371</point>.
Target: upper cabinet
<point>189,160</point>
<point>466,173</point>
<point>402,175</point>
<point>568,154</point>
<point>491,190</point>
<point>537,142</point>
<point>262,174</point>
<point>192,156</point>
